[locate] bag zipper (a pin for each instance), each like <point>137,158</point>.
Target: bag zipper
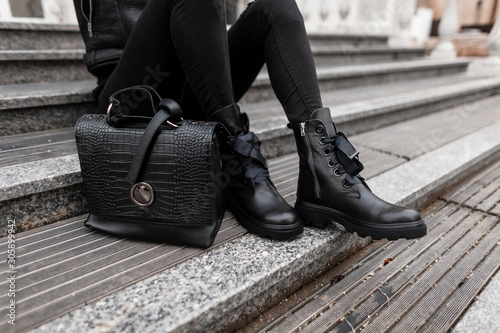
<point>89,18</point>
<point>310,159</point>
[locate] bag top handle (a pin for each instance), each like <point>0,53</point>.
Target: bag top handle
<point>165,109</point>
<point>157,103</point>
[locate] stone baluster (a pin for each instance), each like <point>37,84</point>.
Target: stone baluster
<point>448,26</point>
<point>403,38</point>
<point>52,11</point>
<point>494,38</point>
<point>344,10</point>
<point>310,10</point>
<point>5,12</point>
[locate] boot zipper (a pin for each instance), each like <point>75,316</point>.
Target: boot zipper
<point>310,159</point>
<point>89,18</point>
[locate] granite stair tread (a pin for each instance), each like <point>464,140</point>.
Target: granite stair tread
<point>326,72</point>
<point>349,76</point>
<point>348,54</point>
<point>148,286</point>
<point>40,55</point>
<point>28,95</point>
<point>347,39</point>
<point>19,36</point>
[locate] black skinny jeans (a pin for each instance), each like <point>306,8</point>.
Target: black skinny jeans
<point>182,49</point>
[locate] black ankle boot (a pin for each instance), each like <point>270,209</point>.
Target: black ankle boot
<point>331,189</point>
<point>249,192</point>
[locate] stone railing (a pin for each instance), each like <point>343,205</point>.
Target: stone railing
<point>360,17</point>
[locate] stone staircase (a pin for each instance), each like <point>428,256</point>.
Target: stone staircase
<point>422,126</point>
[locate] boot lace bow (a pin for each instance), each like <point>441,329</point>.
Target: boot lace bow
<point>343,154</point>
<point>254,163</point>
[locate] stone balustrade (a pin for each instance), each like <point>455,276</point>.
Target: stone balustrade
<point>360,17</point>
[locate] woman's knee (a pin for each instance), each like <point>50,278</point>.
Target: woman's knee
<point>286,10</point>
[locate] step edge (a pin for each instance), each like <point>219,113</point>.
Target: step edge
<point>382,105</point>
<point>41,55</point>
<point>337,72</point>
<point>42,97</point>
<point>53,27</point>
<point>39,176</point>
<point>479,145</point>
<point>334,50</point>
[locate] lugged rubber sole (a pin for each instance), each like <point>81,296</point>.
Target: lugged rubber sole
<point>320,216</point>
<point>277,232</point>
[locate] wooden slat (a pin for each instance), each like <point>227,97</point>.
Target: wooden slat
<point>10,144</point>
<point>490,202</point>
<point>366,271</point>
<point>42,232</point>
<point>466,193</point>
<point>448,313</point>
<point>482,194</point>
<point>417,270</point>
<point>386,275</point>
<point>39,152</point>
<point>435,296</point>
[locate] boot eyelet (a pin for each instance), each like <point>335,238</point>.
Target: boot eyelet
<point>336,173</point>
<point>346,184</point>
<point>322,140</point>
<point>331,165</point>
<point>320,129</point>
<point>326,152</point>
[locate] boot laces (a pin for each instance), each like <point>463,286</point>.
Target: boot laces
<point>254,164</point>
<point>344,155</point>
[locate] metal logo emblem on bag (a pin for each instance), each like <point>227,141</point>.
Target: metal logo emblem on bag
<point>142,194</point>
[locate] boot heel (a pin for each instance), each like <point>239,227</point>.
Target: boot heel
<point>311,216</point>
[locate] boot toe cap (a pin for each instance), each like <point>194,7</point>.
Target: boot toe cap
<point>401,215</point>
<point>283,218</point>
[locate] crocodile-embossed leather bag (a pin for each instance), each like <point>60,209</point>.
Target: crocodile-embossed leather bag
<point>147,177</point>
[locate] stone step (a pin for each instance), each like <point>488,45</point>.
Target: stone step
<point>47,180</point>
<point>328,55</point>
<point>76,280</point>
<point>32,107</point>
<point>42,36</point>
<point>38,36</point>
<point>66,65</point>
<point>342,77</point>
<point>342,40</point>
<point>49,65</point>
<point>33,66</point>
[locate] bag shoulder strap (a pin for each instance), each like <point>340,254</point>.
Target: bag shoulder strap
<point>167,108</point>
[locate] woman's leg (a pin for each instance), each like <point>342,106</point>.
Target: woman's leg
<point>273,32</point>
<point>329,185</point>
<point>176,45</point>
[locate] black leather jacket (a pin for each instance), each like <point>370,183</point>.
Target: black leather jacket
<point>105,26</point>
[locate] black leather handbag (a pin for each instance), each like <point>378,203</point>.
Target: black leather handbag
<point>151,177</point>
